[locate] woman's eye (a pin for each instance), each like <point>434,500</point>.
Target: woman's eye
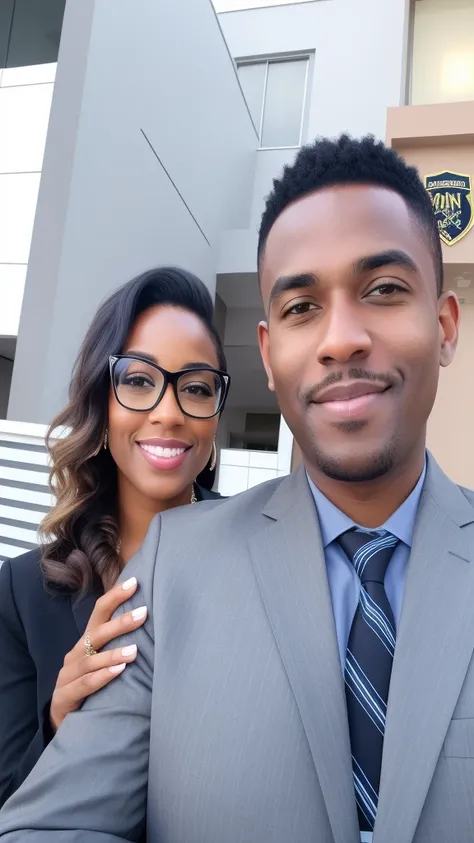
<point>197,389</point>
<point>138,381</point>
<point>387,290</point>
<point>300,308</point>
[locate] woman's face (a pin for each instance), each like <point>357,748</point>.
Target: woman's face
<point>175,339</point>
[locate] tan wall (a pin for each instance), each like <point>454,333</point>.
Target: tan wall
<point>435,138</point>
<point>451,426</point>
<point>458,159</point>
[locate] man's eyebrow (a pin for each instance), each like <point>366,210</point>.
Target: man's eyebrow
<point>286,283</point>
<point>392,257</point>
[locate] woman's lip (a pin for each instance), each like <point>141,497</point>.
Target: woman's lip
<point>163,462</point>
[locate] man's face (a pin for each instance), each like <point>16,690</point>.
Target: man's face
<point>355,332</point>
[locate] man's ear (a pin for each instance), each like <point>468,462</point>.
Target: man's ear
<point>264,344</point>
<point>449,318</point>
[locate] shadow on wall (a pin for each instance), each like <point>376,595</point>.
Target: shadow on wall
<point>6,370</point>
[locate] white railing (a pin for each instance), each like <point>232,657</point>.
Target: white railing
<point>24,492</point>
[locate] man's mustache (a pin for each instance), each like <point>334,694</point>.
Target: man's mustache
<point>312,392</point>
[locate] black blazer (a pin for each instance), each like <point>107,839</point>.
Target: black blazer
<point>37,630</point>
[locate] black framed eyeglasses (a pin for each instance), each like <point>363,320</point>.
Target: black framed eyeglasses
<point>139,385</point>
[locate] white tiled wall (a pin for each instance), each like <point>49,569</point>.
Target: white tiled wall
<point>240,470</point>
<point>25,104</point>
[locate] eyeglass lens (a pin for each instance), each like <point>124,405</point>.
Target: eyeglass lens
<point>138,385</point>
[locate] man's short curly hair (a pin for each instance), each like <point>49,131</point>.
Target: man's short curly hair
<point>325,163</point>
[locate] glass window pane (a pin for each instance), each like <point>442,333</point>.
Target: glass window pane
<point>284,103</point>
<point>36,32</point>
<point>252,79</point>
<point>6,14</point>
<point>443,52</point>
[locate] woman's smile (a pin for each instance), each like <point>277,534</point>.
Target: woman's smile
<point>164,454</point>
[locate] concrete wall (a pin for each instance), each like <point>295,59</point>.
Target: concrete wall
<point>358,71</point>
<point>150,155</point>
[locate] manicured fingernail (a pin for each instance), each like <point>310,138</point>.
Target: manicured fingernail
<point>128,584</point>
<point>129,651</point>
<point>138,614</point>
<point>117,668</point>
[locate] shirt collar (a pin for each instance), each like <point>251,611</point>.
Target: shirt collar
<point>401,524</point>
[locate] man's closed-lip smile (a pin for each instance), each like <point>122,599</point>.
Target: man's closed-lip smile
<point>350,400</point>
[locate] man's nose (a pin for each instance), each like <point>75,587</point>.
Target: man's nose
<point>168,413</point>
<point>345,336</point>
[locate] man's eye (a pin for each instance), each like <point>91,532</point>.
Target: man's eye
<point>386,290</point>
<point>300,308</point>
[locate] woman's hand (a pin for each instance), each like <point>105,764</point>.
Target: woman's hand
<point>83,675</point>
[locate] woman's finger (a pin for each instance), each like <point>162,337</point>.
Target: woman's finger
<point>90,664</point>
<point>101,635</point>
<point>70,697</point>
<point>106,605</point>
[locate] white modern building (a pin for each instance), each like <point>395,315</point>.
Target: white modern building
<point>135,133</point>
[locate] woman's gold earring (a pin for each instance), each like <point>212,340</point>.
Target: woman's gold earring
<point>106,440</point>
<point>213,456</point>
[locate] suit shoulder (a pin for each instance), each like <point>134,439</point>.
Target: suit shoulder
<point>27,564</point>
<point>468,494</point>
<point>25,573</point>
<point>243,506</point>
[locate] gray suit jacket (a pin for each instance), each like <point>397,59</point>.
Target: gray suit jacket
<point>231,726</point>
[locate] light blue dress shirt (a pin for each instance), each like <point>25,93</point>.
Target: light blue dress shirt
<point>344,584</point>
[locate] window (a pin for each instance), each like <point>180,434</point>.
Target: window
<point>30,31</point>
<point>443,52</point>
<point>275,91</point>
<point>260,433</point>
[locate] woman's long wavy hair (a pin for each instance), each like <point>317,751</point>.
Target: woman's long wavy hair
<point>79,535</point>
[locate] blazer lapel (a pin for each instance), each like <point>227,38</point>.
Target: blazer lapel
<point>291,573</point>
<point>434,647</point>
<point>82,608</point>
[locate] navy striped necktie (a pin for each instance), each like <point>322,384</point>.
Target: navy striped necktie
<point>369,659</point>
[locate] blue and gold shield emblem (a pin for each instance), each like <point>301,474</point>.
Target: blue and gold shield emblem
<point>452,203</point>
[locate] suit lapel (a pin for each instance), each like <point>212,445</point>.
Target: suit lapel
<point>291,573</point>
<point>434,647</point>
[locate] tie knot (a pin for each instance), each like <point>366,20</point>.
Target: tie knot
<point>369,553</point>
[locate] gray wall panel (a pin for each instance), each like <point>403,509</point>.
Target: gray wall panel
<point>150,156</point>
